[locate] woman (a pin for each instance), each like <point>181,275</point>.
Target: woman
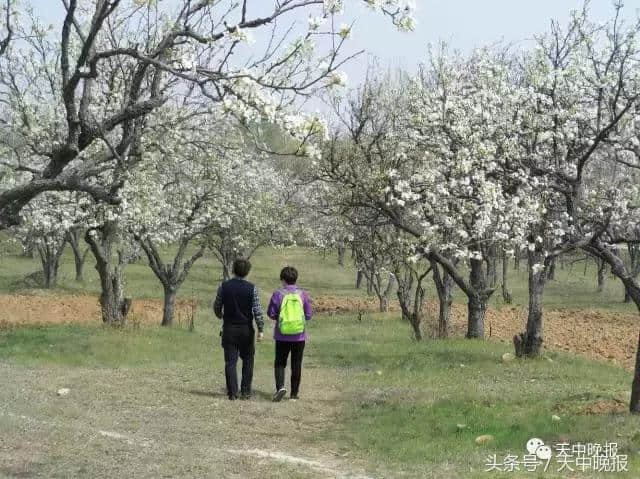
<point>290,308</point>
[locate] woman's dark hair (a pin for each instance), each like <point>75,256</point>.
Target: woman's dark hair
<point>289,275</point>
<point>241,267</point>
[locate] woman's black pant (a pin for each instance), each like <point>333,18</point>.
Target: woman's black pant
<point>283,348</point>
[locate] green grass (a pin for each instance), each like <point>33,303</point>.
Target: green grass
<point>77,345</point>
<point>409,398</point>
<point>374,400</point>
<point>396,404</point>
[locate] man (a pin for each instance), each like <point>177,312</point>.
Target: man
<point>237,303</point>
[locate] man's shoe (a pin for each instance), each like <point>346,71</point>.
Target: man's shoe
<point>233,398</point>
<point>279,394</point>
<point>294,397</point>
<point>245,397</point>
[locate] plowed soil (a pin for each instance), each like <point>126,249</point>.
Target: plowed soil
<point>17,310</point>
<point>593,408</point>
<point>597,335</point>
<point>347,304</point>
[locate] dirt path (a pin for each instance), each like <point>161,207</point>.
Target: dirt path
<point>326,467</point>
<point>150,423</point>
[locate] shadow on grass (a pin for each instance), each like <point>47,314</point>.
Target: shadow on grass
<point>208,394</point>
<point>256,394</point>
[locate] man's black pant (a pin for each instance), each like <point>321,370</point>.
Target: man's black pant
<point>238,341</point>
<point>283,348</point>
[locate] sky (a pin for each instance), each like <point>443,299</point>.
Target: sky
<point>463,24</point>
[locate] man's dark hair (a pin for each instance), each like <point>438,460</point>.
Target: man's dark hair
<point>289,275</point>
<point>241,267</point>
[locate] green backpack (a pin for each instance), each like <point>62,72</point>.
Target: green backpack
<point>291,319</point>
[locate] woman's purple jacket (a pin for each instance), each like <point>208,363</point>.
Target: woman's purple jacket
<point>273,311</point>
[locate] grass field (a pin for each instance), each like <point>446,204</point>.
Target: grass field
<point>150,402</point>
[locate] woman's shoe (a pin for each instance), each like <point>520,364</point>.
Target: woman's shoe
<point>279,394</point>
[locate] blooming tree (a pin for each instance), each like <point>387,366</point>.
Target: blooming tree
<point>583,81</point>
<point>470,197</point>
<point>51,221</point>
<point>45,224</point>
<point>255,211</point>
<point>77,106</point>
<point>438,161</point>
<point>183,195</point>
<point>80,208</point>
<point>386,257</point>
<point>6,30</point>
<point>372,257</point>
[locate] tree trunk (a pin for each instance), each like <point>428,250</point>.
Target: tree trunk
<point>79,264</point>
<point>359,277</point>
<point>79,256</point>
<point>226,271</point>
<point>444,316</point>
<point>418,302</point>
<point>171,275</point>
<point>529,344</point>
<point>341,252</point>
<point>29,250</point>
<point>415,325</point>
<point>384,297</point>
<point>516,261</point>
<point>631,284</point>
<point>115,307</point>
<point>403,291</point>
<point>634,404</point>
<point>226,253</point>
<point>168,310</point>
<point>602,278</point>
<point>477,309</point>
<point>411,300</point>
<point>552,270</point>
<point>50,275</point>
<point>49,269</point>
<point>506,294</point>
<point>444,287</point>
<point>49,254</point>
<point>635,267</point>
<point>478,302</point>
<point>492,266</point>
